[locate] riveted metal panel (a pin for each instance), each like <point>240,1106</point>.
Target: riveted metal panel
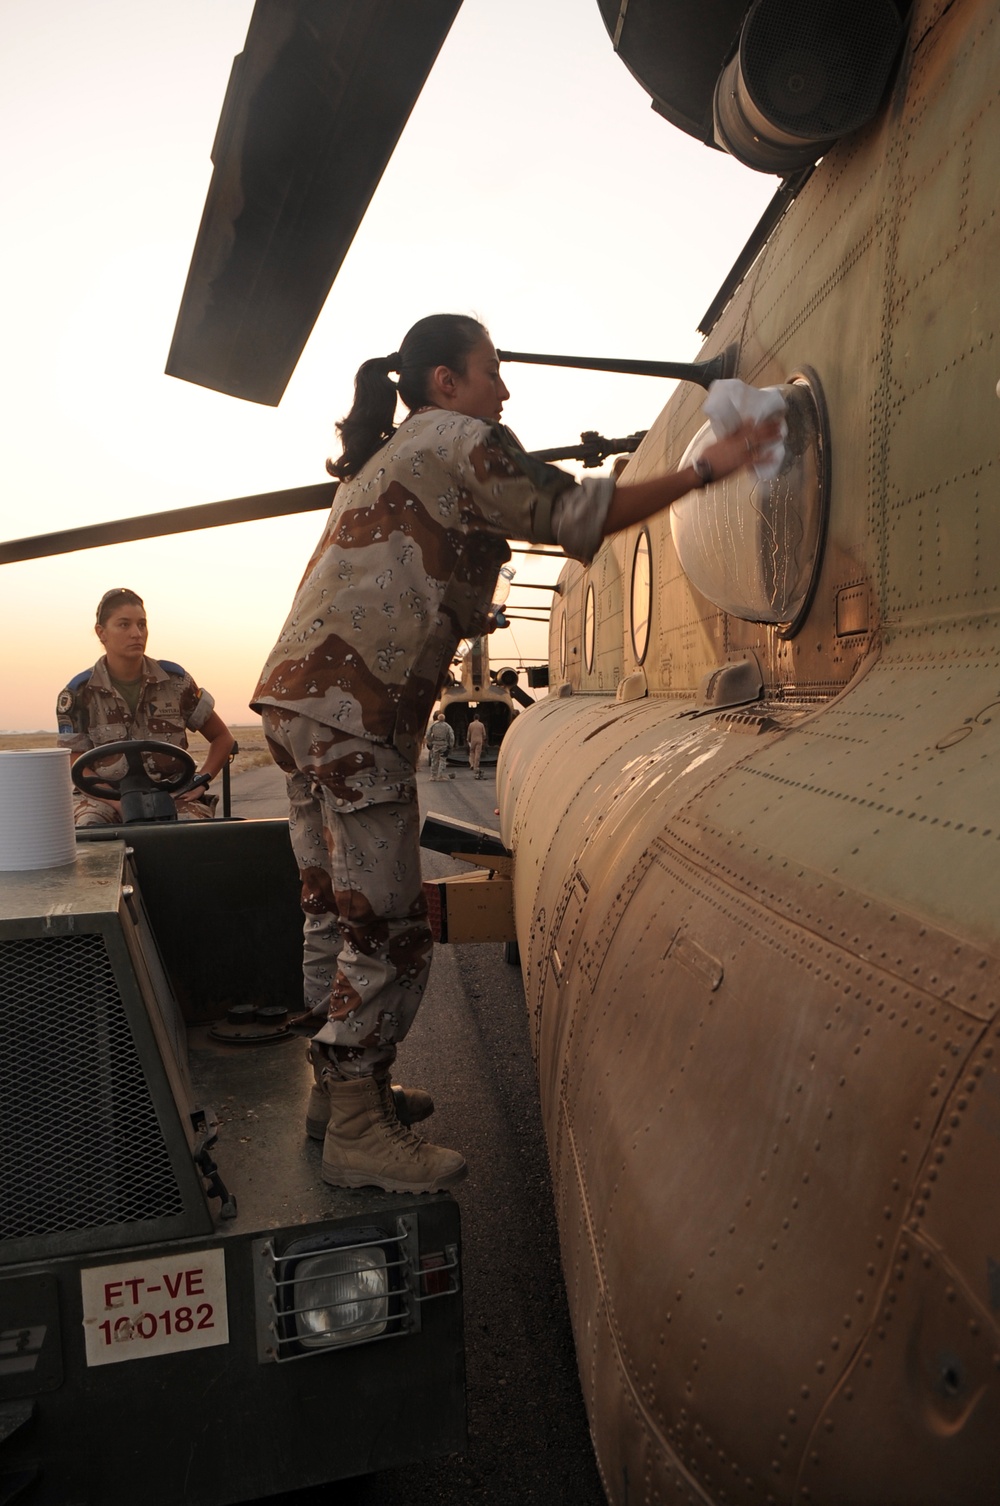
<point>594,943</point>
<point>767,1071</point>
<point>880,275</point>
<point>941,452</point>
<point>944,1211</point>
<point>749,1156</point>
<point>896,784</point>
<point>932,1337</point>
<point>667,756</point>
<point>853,609</point>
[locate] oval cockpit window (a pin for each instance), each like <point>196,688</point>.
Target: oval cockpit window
<point>589,628</point>
<point>642,596</point>
<point>753,547</point>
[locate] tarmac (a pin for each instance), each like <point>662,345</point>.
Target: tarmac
<point>528,1438</point>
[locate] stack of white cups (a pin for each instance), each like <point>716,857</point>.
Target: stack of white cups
<point>36,810</point>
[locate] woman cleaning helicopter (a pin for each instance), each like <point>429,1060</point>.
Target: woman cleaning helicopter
<point>405,568</point>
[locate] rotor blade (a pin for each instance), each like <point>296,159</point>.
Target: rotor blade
<point>702,372</point>
<point>316,102</point>
<point>179,520</point>
<point>153,525</point>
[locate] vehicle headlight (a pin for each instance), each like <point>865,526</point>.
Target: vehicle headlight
<point>341,1296</point>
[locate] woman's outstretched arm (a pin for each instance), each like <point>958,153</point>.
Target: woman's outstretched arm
<point>636,501</point>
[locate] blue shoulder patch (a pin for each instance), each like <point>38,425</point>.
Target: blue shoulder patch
<point>80,679</point>
<point>171,667</point>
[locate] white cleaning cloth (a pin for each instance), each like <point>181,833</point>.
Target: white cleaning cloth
<point>731,402</point>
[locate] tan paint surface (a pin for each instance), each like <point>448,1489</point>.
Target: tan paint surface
<point>764,971</point>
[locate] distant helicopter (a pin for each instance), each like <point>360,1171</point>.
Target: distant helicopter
<point>491,693</point>
<point>756,875</point>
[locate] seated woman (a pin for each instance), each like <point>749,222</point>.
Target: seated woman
<point>127,696</point>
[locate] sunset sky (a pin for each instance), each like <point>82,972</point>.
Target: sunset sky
<point>533,187</point>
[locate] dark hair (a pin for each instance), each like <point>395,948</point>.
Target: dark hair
<point>438,340</point>
<point>120,596</point>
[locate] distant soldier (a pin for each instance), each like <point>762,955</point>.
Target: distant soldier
<point>406,567</point>
<point>440,741</point>
<point>476,738</point>
<point>127,697</point>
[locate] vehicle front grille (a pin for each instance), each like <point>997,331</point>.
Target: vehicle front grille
<point>80,1145</point>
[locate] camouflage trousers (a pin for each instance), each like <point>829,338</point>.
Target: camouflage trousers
<point>439,762</point>
<point>367,944</point>
<point>88,810</point>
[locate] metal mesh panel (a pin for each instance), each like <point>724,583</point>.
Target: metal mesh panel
<point>819,70</point>
<point>80,1146</point>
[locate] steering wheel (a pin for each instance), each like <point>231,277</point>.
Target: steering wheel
<point>136,775</point>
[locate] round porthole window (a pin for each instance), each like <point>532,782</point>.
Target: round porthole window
<point>589,628</point>
<point>754,547</point>
<point>642,596</point>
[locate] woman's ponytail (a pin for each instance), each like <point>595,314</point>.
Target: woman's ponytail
<point>370,422</point>
<point>438,340</point>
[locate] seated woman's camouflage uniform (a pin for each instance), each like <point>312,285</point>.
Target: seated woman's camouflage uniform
<point>91,712</point>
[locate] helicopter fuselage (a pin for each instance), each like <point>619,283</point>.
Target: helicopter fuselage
<point>756,869</point>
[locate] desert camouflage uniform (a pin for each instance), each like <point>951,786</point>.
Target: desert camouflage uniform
<point>405,568</point>
<point>367,947</point>
<point>440,740</point>
<point>90,712</point>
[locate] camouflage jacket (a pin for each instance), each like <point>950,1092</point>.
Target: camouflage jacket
<point>440,737</point>
<point>405,568</point>
<point>90,712</point>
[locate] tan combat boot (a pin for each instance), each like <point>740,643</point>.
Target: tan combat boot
<point>412,1104</point>
<point>367,1146</point>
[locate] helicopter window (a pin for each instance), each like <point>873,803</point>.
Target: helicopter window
<point>589,628</point>
<point>753,547</point>
<point>642,596</point>
<point>562,644</point>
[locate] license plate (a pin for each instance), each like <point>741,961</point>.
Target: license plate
<point>147,1307</point>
